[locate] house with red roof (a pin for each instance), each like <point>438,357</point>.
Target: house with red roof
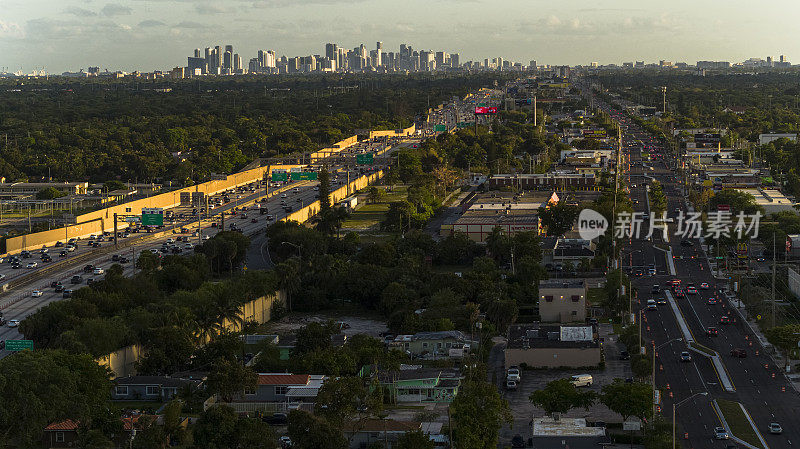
<point>61,434</point>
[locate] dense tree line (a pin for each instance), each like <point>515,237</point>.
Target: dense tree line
<point>129,129</point>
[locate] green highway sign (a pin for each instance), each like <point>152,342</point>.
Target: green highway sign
<point>461,125</point>
<point>366,158</point>
<point>440,128</point>
<point>19,345</point>
<point>304,176</point>
<point>280,176</point>
<point>152,216</point>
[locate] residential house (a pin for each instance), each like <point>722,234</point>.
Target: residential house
<point>278,392</point>
<point>154,388</point>
<point>415,384</point>
<point>552,346</point>
<point>433,344</point>
<point>558,251</point>
<point>60,434</point>
<point>562,300</point>
<point>363,434</point>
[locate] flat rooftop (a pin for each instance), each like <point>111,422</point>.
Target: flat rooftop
<point>769,197</point>
<point>562,283</point>
<point>575,427</point>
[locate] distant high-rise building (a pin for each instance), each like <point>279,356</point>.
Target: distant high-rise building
<point>769,61</point>
<point>783,58</point>
<point>195,64</point>
<point>532,65</point>
<point>227,60</point>
<point>378,57</point>
<point>197,53</point>
<point>237,62</point>
<point>331,51</point>
<point>439,59</point>
<point>455,60</point>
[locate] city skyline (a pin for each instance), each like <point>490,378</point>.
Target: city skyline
<point>122,35</point>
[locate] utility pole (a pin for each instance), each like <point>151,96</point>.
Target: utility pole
<point>774,269</point>
<point>664,92</point>
<point>534,110</point>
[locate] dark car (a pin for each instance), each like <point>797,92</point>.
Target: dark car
<point>739,352</point>
<point>724,319</point>
<point>517,441</point>
<point>59,288</point>
<point>76,280</point>
<point>123,260</point>
<point>277,419</point>
<point>66,293</point>
<point>115,257</point>
<point>46,258</point>
<point>656,289</point>
<point>63,253</point>
<point>712,331</point>
<point>88,268</point>
<point>623,355</point>
<point>55,284</point>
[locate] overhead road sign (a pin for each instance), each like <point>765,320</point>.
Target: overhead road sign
<point>440,128</point>
<point>304,176</point>
<point>280,175</point>
<point>152,216</point>
<point>364,159</point>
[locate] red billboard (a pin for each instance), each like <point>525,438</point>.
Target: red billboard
<point>486,110</point>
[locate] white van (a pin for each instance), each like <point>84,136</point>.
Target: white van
<point>582,380</point>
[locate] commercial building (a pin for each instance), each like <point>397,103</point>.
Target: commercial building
<point>543,181</point>
<point>552,346</point>
<point>764,139</point>
<point>562,300</point>
<point>10,190</point>
<point>772,200</point>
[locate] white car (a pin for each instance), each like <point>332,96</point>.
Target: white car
<point>70,248</point>
<point>514,374</point>
<point>36,293</point>
<point>154,251</point>
<point>13,323</point>
<point>2,276</point>
<point>98,270</point>
<point>32,265</point>
<point>188,246</point>
<point>721,434</point>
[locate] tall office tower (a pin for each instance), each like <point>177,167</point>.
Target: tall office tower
<point>261,58</point>
<point>217,58</point>
<point>372,61</point>
<point>486,63</point>
<point>455,60</point>
<point>500,63</point>
<point>237,62</point>
<point>330,51</point>
<point>403,49</point>
<point>532,65</point>
<point>272,60</point>
<point>783,58</point>
<point>440,57</point>
<point>197,53</point>
<point>378,51</point>
<point>386,60</point>
<point>769,61</point>
<point>227,60</point>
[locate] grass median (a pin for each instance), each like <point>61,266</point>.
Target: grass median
<point>737,422</point>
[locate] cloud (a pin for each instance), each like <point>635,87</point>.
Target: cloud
<point>115,9</point>
<point>189,24</point>
<point>79,12</point>
<point>151,24</point>
<point>279,3</point>
<point>207,9</point>
<point>10,30</point>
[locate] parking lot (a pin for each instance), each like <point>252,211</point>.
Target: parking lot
<point>522,409</point>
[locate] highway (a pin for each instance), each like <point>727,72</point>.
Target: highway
<point>16,304</point>
<point>759,384</point>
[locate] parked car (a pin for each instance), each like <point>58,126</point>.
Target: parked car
<point>511,385</point>
<point>517,441</point>
<point>582,380</point>
<point>514,374</point>
<point>623,355</point>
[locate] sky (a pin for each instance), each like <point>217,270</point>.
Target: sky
<point>145,35</point>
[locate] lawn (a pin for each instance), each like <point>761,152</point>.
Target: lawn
<point>737,421</point>
<point>596,295</point>
<point>370,215</point>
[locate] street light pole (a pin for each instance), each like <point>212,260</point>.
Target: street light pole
<point>675,406</point>
<point>655,350</point>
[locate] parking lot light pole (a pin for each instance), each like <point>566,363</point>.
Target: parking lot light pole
<point>676,405</point>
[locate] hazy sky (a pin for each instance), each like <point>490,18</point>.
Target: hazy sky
<point>61,35</point>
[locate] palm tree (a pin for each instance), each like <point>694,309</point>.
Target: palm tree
<point>289,272</point>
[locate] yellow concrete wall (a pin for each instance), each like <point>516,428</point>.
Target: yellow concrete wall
<point>123,361</point>
<point>103,220</point>
<point>336,148</point>
<point>303,214</point>
<point>393,133</point>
